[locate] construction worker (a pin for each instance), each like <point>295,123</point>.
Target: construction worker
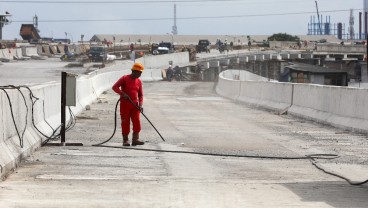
<point>129,87</point>
<point>169,73</point>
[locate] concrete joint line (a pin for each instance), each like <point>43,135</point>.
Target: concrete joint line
<point>240,87</point>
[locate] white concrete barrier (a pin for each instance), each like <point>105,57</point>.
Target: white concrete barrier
<point>337,48</point>
<point>10,145</point>
<point>29,51</point>
<point>160,61</point>
<point>342,107</point>
<point>155,64</point>
<point>5,54</point>
<point>18,55</point>
<point>89,87</point>
<point>228,88</point>
<point>271,95</point>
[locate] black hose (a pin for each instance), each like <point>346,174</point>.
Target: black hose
<point>34,99</point>
<point>116,109</point>
<point>145,117</point>
<point>310,157</point>
<point>320,156</point>
<point>337,175</point>
<point>12,115</point>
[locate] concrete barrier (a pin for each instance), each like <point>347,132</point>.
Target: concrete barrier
<point>266,94</point>
<point>47,109</point>
<point>228,88</point>
<point>155,64</point>
<point>5,55</point>
<point>342,107</point>
<point>11,151</point>
<point>18,54</point>
<point>337,48</point>
<point>60,49</point>
<point>29,51</point>
<point>160,61</point>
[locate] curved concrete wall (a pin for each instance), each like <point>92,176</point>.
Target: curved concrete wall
<point>89,87</point>
<point>342,107</point>
<point>266,94</point>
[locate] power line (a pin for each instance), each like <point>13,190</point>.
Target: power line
<point>148,1</point>
<point>118,2</point>
<point>184,18</point>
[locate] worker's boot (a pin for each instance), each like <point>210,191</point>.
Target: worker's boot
<point>136,140</point>
<point>125,140</point>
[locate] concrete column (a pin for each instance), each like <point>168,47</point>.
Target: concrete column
<point>364,71</point>
<point>244,59</point>
<point>276,57</point>
<point>252,58</point>
<point>285,56</point>
<point>307,55</point>
<point>260,68</point>
<point>206,65</point>
<point>214,64</point>
<point>260,57</point>
<point>295,56</point>
<point>224,62</point>
<point>267,56</point>
<point>188,69</point>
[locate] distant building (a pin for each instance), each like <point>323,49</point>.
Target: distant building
<point>305,73</point>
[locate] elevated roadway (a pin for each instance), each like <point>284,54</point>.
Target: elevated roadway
<point>192,117</point>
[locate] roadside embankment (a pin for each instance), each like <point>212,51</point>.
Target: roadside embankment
<point>342,107</point>
<point>19,138</point>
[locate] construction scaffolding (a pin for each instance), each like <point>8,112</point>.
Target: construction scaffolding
<point>337,29</point>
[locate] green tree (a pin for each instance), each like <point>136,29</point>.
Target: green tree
<point>283,37</point>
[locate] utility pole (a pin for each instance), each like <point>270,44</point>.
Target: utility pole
<point>174,28</point>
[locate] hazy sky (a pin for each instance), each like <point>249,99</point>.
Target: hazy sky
<point>217,17</point>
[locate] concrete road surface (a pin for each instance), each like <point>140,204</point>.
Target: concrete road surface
<point>191,117</point>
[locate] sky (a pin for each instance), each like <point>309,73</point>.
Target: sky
<point>74,18</point>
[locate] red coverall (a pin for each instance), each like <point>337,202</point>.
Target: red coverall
<point>133,88</point>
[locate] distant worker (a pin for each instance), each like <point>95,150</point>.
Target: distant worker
<point>132,52</point>
<point>299,44</point>
<point>169,73</point>
<point>305,44</point>
<point>218,43</point>
<point>131,47</point>
<point>129,87</point>
<point>249,44</point>
<point>177,73</point>
<point>66,49</point>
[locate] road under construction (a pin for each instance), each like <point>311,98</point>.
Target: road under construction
<point>225,146</point>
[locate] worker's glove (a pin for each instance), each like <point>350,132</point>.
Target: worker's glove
<point>140,109</point>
